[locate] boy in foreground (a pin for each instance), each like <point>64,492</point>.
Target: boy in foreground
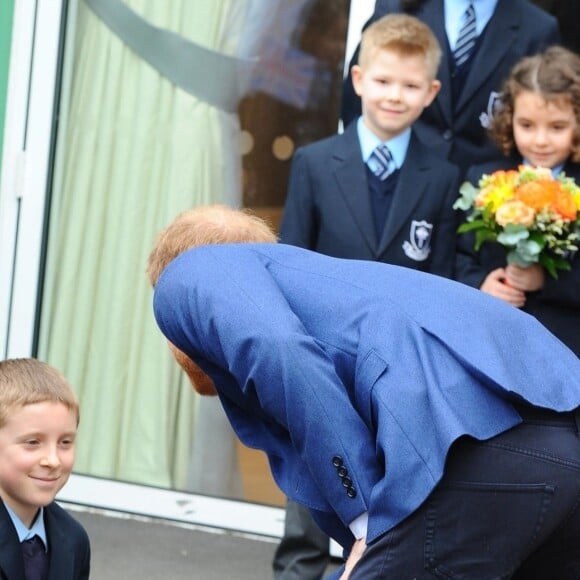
<point>39,415</point>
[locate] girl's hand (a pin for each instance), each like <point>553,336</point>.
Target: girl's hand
<point>527,279</point>
<point>496,284</point>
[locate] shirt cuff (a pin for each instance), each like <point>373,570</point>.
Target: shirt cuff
<point>359,526</point>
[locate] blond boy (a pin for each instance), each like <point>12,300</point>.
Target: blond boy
<point>39,415</point>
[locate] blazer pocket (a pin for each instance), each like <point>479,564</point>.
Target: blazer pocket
<point>368,371</point>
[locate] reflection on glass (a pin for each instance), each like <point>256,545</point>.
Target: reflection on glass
<point>132,151</point>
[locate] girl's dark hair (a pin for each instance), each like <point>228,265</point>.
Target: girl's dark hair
<point>554,75</point>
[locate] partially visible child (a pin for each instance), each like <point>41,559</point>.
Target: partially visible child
<point>39,415</point>
<point>539,125</point>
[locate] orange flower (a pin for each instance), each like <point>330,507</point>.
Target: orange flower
<point>515,212</point>
<point>539,194</point>
<point>565,205</point>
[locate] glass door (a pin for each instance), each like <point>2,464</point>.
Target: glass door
<point>108,137</point>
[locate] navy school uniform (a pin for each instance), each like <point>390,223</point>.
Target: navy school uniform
<point>557,305</point>
<point>333,202</point>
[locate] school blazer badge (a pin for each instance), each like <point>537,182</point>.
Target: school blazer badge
<point>418,247</point>
<point>494,105</point>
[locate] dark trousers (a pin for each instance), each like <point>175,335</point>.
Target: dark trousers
<point>304,551</point>
<point>508,507</point>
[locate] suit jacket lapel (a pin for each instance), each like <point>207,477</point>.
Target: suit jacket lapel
<point>413,181</point>
<point>572,170</point>
<point>499,35</point>
<point>60,549</point>
<point>351,181</point>
<point>431,12</point>
<point>11,563</point>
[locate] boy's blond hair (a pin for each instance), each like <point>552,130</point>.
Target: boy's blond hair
<point>205,225</point>
<point>403,34</point>
<point>25,381</point>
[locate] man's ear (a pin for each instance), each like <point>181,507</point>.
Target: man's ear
<point>201,383</point>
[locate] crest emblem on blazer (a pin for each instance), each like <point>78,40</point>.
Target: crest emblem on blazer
<point>494,104</point>
<point>418,246</point>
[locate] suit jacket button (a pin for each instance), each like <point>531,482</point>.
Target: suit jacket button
<point>448,135</point>
<point>347,481</point>
<point>337,461</point>
<point>342,471</point>
<point>351,492</point>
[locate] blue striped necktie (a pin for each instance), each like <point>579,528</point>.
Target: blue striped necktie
<point>382,160</point>
<point>466,39</point>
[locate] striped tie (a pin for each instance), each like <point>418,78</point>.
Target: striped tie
<point>466,38</point>
<point>381,162</point>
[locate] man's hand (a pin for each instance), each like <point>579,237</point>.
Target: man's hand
<point>355,555</point>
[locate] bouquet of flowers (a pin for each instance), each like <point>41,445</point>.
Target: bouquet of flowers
<point>534,215</point>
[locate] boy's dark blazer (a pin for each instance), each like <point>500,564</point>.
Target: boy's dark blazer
<point>557,305</point>
<point>517,28</point>
<point>69,547</point>
<point>328,207</point>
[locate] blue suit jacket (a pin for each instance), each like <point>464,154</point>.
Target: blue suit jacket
<point>328,207</point>
<point>517,28</point>
<point>557,305</point>
<point>355,377</point>
<point>69,547</point>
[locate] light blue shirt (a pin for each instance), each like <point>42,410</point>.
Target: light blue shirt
<point>454,11</point>
<point>25,533</point>
<point>369,141</point>
<point>555,170</point>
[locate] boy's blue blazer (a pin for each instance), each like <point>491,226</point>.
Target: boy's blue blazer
<point>68,546</point>
<point>328,207</point>
<point>355,377</point>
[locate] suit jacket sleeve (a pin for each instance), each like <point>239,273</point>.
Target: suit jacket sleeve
<point>230,312</point>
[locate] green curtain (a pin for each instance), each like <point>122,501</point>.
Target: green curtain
<point>132,152</point>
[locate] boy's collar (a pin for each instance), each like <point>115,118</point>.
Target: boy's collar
<point>369,141</point>
<point>24,533</point>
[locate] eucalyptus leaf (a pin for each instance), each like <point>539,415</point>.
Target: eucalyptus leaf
<point>468,194</point>
<point>512,235</point>
<point>514,257</point>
